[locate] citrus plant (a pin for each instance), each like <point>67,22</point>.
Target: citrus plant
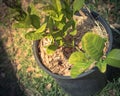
<point>56,24</point>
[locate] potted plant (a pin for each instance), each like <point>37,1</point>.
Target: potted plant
<point>71,45</point>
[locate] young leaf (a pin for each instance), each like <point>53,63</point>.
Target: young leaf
<point>33,35</point>
<point>77,57</point>
<point>35,21</point>
<point>73,33</point>
<point>42,28</point>
<point>93,45</point>
<point>58,5</point>
<point>58,18</point>
<point>113,58</point>
<point>60,25</point>
<point>51,49</point>
<point>77,5</point>
<point>102,66</point>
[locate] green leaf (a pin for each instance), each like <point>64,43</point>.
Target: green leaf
<point>29,10</point>
<point>35,21</point>
<point>33,9</point>
<point>93,45</point>
<point>80,63</point>
<point>50,11</point>
<point>57,35</point>
<point>33,35</point>
<point>60,25</point>
<point>113,58</point>
<point>77,57</point>
<point>73,33</point>
<point>58,18</point>
<point>42,28</point>
<point>102,66</point>
<point>58,5</point>
<point>78,68</point>
<point>68,25</point>
<point>77,5</point>
<point>50,24</point>
<point>51,49</point>
<point>19,25</point>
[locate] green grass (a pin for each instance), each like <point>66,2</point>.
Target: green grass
<point>111,89</point>
<point>31,76</point>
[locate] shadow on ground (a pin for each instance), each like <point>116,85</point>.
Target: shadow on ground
<point>9,83</point>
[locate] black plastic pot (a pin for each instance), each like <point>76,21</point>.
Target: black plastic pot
<point>88,83</point>
<point>113,72</point>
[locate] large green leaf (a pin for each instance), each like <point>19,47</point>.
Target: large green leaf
<point>35,21</point>
<point>78,68</point>
<point>93,45</point>
<point>77,5</point>
<point>113,58</point>
<point>33,35</point>
<point>77,57</point>
<point>80,63</point>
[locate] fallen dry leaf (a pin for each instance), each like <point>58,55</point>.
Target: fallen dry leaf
<point>112,92</point>
<point>30,69</point>
<point>48,86</point>
<point>37,75</point>
<point>19,66</point>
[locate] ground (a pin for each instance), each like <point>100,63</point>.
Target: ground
<point>19,73</point>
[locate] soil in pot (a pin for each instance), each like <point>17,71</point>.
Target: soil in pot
<point>57,62</point>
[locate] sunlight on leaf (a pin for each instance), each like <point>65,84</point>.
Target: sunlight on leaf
<point>33,35</point>
<point>58,18</point>
<point>93,45</point>
<point>77,56</point>
<point>113,58</point>
<point>78,68</point>
<point>73,33</point>
<point>42,28</point>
